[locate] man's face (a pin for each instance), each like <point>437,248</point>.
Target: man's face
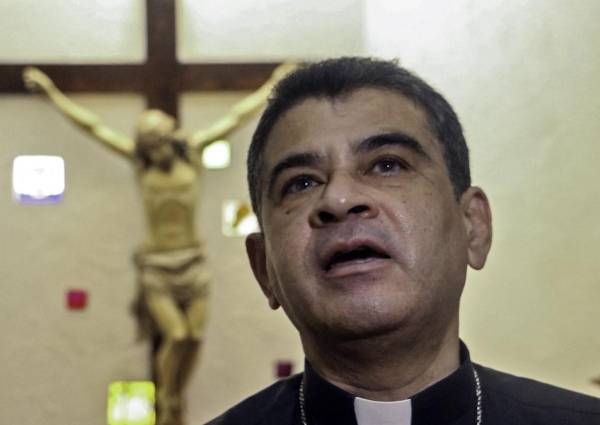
<point>362,233</point>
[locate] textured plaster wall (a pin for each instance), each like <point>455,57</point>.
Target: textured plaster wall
<point>91,31</point>
<point>249,30</point>
<point>524,78</point>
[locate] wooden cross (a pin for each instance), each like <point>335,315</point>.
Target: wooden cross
<point>161,78</point>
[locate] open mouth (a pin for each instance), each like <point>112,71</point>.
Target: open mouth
<point>359,254</point>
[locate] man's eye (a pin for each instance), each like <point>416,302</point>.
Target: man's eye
<point>389,166</point>
<point>298,184</point>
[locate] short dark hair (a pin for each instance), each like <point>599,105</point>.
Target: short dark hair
<point>332,78</point>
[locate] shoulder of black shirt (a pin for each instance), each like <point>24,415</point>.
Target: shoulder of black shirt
<point>509,399</point>
<point>265,407</point>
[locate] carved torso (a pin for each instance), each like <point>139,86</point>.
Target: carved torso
<point>170,201</point>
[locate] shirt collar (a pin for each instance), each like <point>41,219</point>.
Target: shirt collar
<point>369,412</point>
<point>447,400</point>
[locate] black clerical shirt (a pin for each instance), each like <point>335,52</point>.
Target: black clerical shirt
<point>506,400</point>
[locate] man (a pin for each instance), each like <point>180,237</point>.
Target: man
<point>359,174</point>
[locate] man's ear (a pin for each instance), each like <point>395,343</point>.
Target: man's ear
<point>477,217</point>
<point>255,248</point>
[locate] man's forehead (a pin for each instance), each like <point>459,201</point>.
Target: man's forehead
<point>384,102</point>
<point>347,119</point>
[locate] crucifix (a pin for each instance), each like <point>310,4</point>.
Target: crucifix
<point>172,273</point>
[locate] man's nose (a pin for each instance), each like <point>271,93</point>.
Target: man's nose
<point>343,198</point>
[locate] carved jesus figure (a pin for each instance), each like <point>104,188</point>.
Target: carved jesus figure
<point>172,273</point>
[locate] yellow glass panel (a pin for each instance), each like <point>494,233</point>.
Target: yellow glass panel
<point>238,219</point>
<point>131,403</point>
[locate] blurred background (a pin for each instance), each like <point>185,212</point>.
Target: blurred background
<point>524,77</point>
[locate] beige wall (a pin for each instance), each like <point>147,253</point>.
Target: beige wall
<point>57,364</point>
<point>524,78</point>
<point>91,31</point>
<point>250,30</point>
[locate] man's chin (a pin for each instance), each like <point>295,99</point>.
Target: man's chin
<point>363,327</point>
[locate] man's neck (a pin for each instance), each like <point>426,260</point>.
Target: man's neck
<point>385,368</point>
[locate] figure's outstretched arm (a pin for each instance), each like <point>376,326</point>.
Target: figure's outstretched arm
<point>36,80</point>
<point>239,113</point>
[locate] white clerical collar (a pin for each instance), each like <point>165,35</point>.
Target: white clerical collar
<point>369,412</point>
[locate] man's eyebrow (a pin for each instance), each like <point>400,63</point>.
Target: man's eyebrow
<point>291,161</point>
<point>393,138</point>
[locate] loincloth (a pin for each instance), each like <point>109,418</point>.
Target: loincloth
<point>181,274</point>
